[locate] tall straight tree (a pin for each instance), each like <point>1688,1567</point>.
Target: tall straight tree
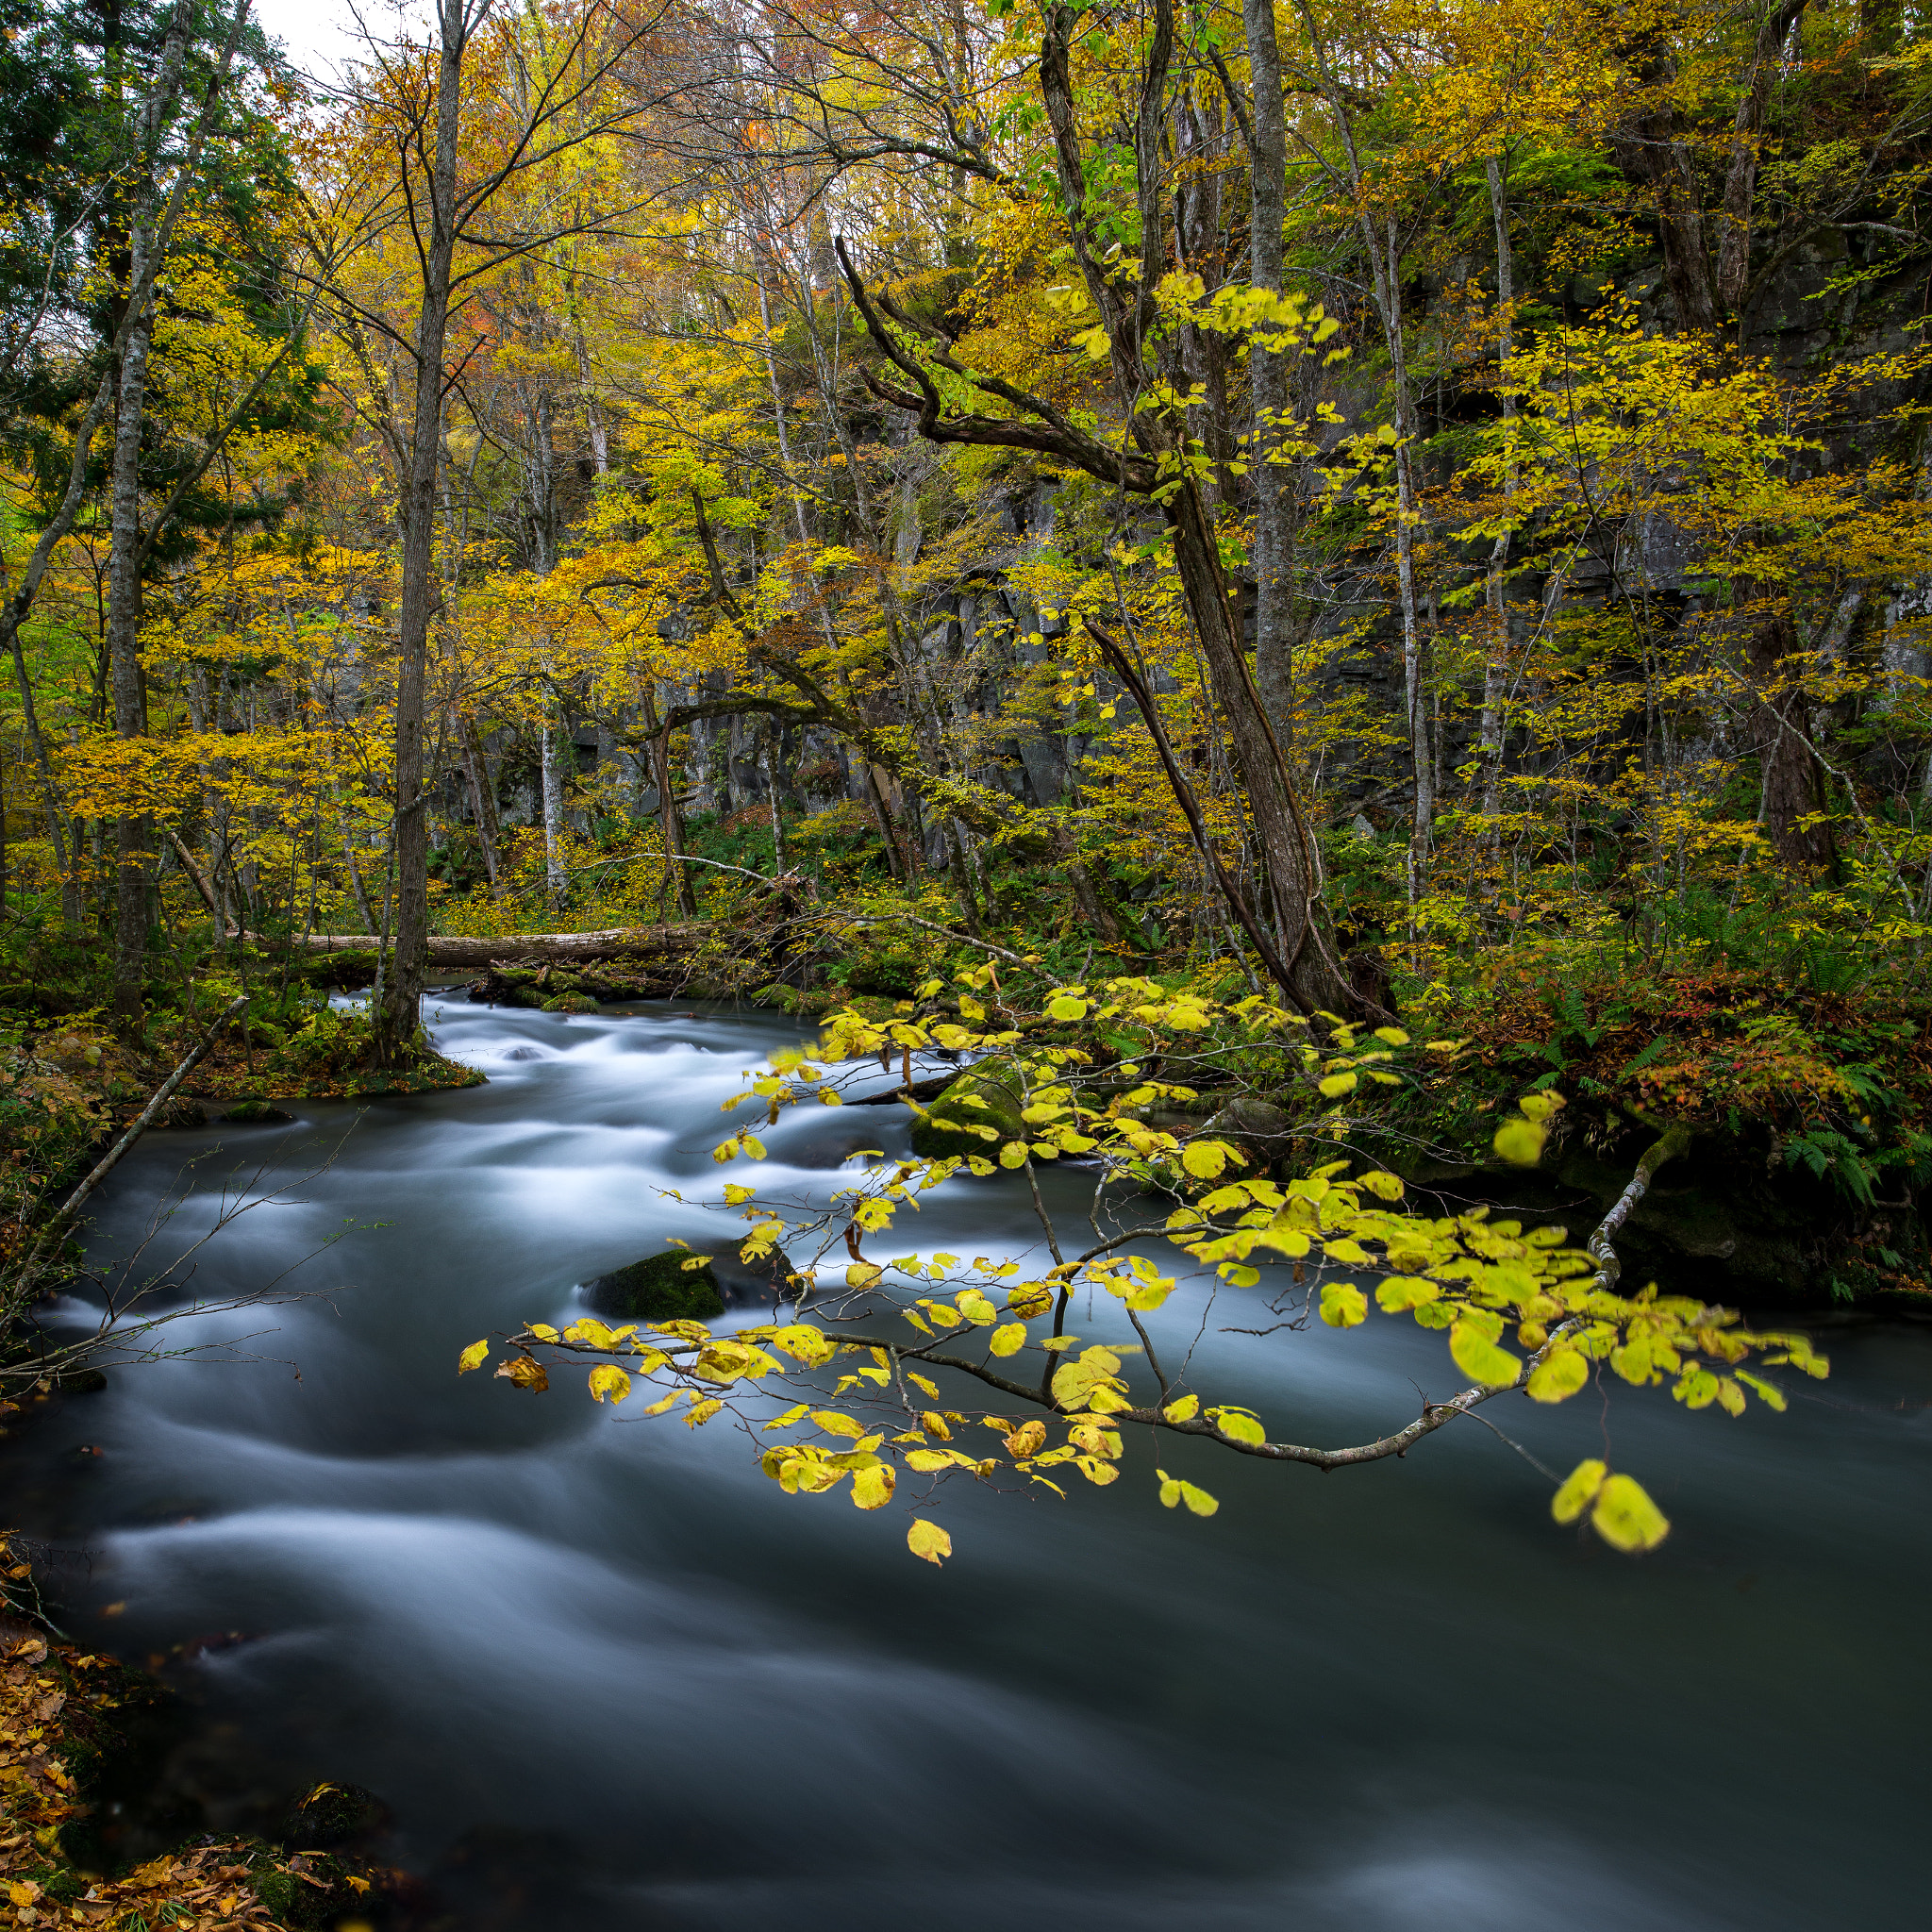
<point>149,224</point>
<point>463,217</point>
<point>433,228</point>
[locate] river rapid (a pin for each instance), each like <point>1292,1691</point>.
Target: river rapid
<point>604,1674</point>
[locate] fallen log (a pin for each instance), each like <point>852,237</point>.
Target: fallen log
<point>530,947</point>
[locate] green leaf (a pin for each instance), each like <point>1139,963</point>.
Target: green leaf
<point>1558,1375</point>
<point>1579,1491</point>
<point>1065,1007</point>
<point>1399,1291</point>
<point>1239,1424</point>
<point>1520,1142</point>
<point>1204,1159</point>
<point>1625,1517</point>
<point>1343,1305</point>
<point>1480,1358</point>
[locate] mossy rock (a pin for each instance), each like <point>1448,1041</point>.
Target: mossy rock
<point>659,1289</point>
<point>257,1113</point>
<point>980,1098</point>
<point>333,1815</point>
<point>571,1002</point>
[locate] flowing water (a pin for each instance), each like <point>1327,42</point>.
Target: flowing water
<point>606,1675</point>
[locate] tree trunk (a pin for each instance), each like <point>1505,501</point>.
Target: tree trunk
<point>1496,657</point>
<point>556,880</point>
<point>615,944</point>
<point>1287,855</point>
<point>1793,781</point>
<point>401,1002</point>
<point>133,833</point>
<point>1268,374</point>
<point>669,818</point>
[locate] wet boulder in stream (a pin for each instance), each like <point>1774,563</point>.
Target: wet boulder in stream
<point>661,1288</point>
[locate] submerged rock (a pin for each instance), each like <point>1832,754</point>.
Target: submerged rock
<point>661,1288</point>
<point>333,1815</point>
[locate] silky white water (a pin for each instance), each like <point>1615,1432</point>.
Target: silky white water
<point>604,1674</point>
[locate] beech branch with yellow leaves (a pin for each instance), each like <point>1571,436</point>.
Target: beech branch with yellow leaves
<point>1087,1077</point>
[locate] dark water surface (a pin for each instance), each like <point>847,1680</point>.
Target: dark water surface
<point>606,1674</point>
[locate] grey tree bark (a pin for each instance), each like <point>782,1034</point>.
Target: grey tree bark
<point>398,1019</point>
<point>1267,373</point>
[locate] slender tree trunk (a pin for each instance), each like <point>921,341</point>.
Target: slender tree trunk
<point>555,880</point>
<point>133,832</point>
<point>478,768</point>
<point>401,1007</point>
<point>778,808</point>
<point>1268,374</point>
<point>669,818</point>
<point>1496,657</point>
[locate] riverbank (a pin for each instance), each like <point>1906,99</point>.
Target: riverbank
<point>74,1726</point>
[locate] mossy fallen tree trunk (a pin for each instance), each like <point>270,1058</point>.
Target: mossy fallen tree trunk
<point>561,948</point>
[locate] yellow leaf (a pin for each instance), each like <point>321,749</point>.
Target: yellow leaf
<point>1343,1306</point>
<point>525,1372</point>
<point>1239,1424</point>
<point>834,1424</point>
<point>1184,1410</point>
<point>925,1460</point>
<point>606,1380</point>
<point>1013,1154</point>
<point>862,1274</point>
<point>472,1357</point>
<point>1026,1439</point>
<point>934,1424</point>
<point>1520,1142</point>
<point>702,1413</point>
<point>1578,1491</point>
<point>1009,1340</point>
<point>1204,1159</point>
<point>1336,1084</point>
<point>1625,1517</point>
<point>927,1540</point>
<point>1558,1375</point>
<point>1480,1358</point>
<point>872,1489</point>
<point>1065,1007</point>
<point>1198,1501</point>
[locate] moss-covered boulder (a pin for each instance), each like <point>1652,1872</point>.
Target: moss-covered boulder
<point>659,1289</point>
<point>334,1815</point>
<point>980,1098</point>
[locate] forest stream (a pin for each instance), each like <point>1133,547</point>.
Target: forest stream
<point>604,1674</point>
